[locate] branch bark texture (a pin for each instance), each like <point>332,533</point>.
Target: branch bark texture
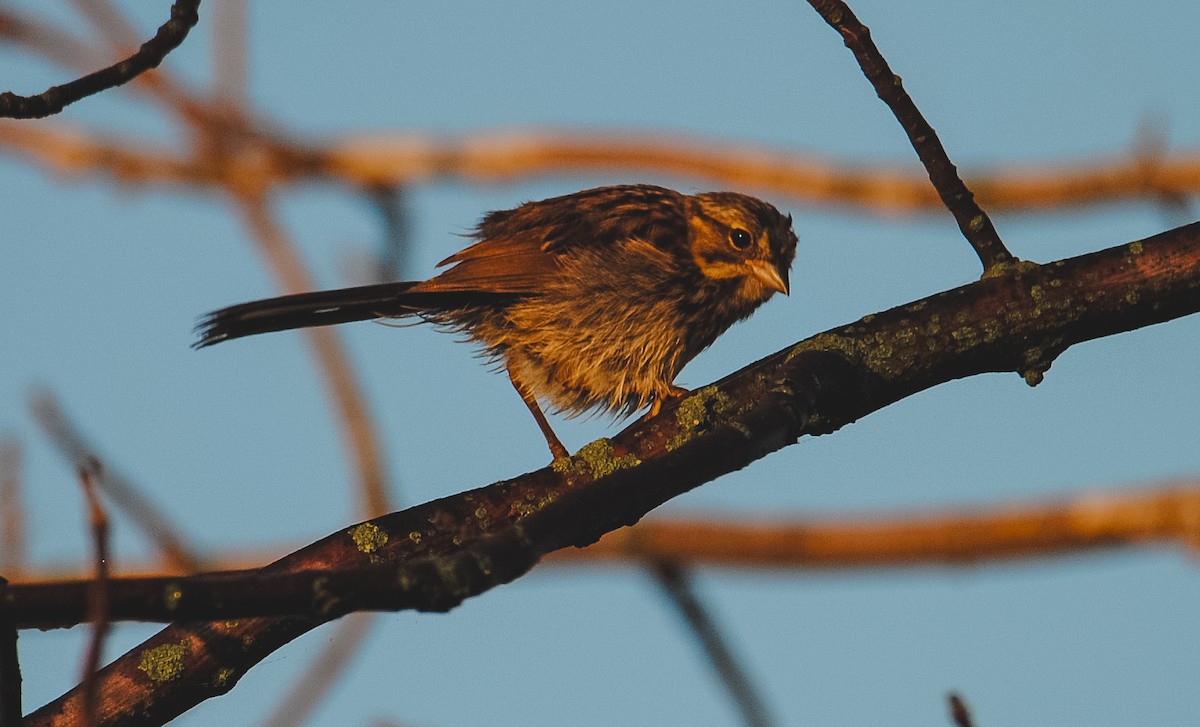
<point>184,16</point>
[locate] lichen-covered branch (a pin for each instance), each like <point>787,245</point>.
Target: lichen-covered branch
<point>1017,320</point>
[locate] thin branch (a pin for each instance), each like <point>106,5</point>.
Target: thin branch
<point>145,515</point>
<point>12,510</point>
<point>429,583</point>
<point>306,693</point>
<point>959,712</point>
<point>74,53</point>
<point>358,432</point>
<point>48,41</point>
<point>184,16</point>
<point>10,664</point>
<point>679,590</point>
<point>229,51</point>
<point>110,22</point>
<point>97,595</point>
<point>393,204</point>
<point>972,220</point>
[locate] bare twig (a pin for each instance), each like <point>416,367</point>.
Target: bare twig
<point>97,594</point>
<point>10,664</point>
<point>184,16</point>
<point>12,510</point>
<point>972,220</point>
<point>72,445</point>
<point>112,24</point>
<point>306,693</point>
<point>48,41</point>
<point>959,712</point>
<point>392,201</point>
<point>678,588</point>
<point>229,51</point>
<point>358,433</point>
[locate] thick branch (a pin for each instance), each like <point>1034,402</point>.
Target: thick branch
<point>1017,321</point>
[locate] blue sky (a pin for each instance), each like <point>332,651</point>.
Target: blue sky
<point>102,285</point>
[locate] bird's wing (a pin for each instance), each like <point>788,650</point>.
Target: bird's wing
<point>518,248</point>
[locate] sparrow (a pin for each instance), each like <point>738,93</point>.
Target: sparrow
<point>592,301</point>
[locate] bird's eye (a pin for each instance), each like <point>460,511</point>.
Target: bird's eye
<point>739,238</point>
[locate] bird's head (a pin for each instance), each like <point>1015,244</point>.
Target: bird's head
<point>737,237</point>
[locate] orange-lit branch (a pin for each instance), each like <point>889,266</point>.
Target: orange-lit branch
<point>491,157</point>
<point>1088,521</point>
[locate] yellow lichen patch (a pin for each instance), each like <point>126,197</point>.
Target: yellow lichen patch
<point>163,663</point>
<point>172,595</point>
<point>845,345</point>
<point>223,677</point>
<point>1016,265</point>
<point>369,538</point>
<point>992,330</point>
<point>699,413</point>
<point>1136,248</point>
<point>595,458</point>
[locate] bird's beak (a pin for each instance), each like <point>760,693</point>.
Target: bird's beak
<point>772,277</point>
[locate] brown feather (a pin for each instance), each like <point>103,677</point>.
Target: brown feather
<point>593,300</point>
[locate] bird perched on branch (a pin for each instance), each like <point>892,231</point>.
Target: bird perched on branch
<point>593,300</point>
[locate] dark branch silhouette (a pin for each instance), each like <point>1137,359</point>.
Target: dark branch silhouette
<point>184,16</point>
<point>10,664</point>
<point>972,220</point>
<point>677,585</point>
<point>97,591</point>
<point>959,712</point>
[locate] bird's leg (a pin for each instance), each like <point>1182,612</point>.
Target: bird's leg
<point>556,447</point>
<point>675,392</point>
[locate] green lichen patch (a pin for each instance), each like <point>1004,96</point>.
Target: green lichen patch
<point>595,458</point>
<point>1016,265</point>
<point>1036,360</point>
<point>369,538</point>
<point>163,663</point>
<point>701,412</point>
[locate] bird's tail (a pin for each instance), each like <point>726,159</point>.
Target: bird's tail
<point>304,310</point>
